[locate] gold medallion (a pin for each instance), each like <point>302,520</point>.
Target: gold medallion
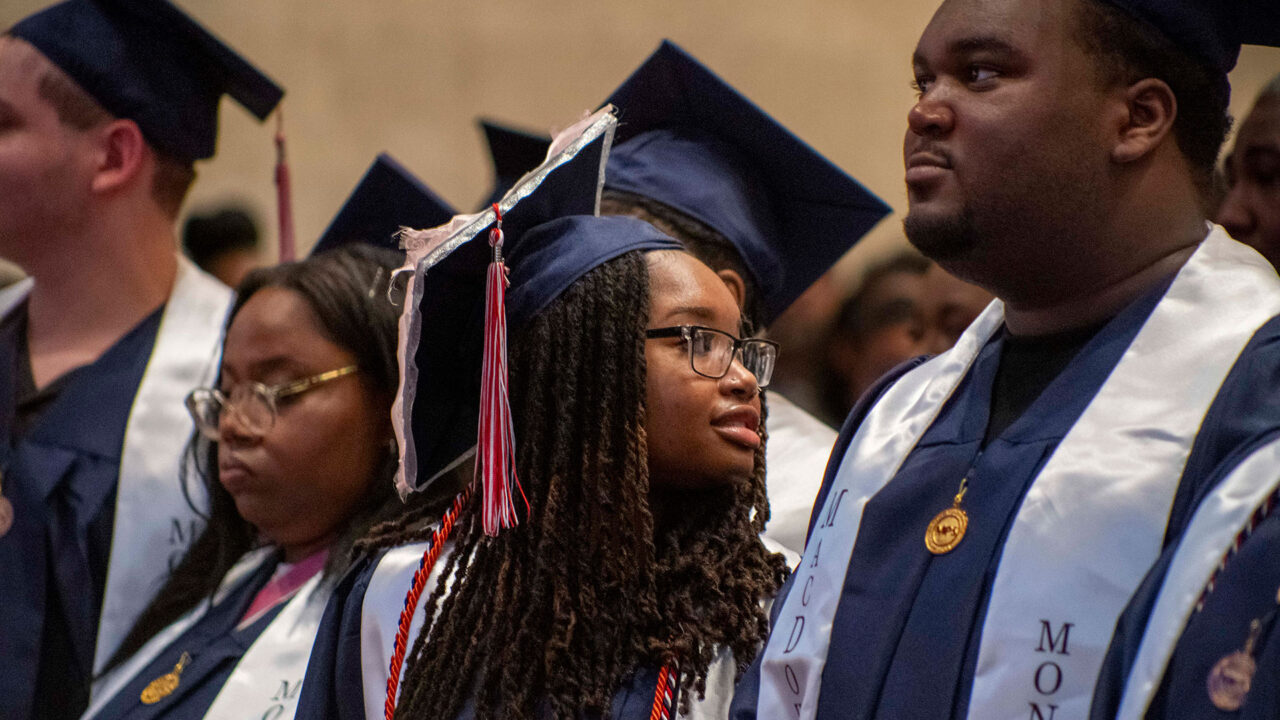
<point>947,528</point>
<point>163,686</point>
<point>1230,680</point>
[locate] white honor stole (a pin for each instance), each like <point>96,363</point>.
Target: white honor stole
<point>268,679</point>
<point>266,683</point>
<point>110,685</point>
<point>380,618</point>
<point>1107,487</point>
<point>153,522</point>
<point>796,455</point>
<point>1209,536</point>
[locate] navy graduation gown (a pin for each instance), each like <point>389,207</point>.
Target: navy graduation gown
<point>915,644</point>
<point>1246,405</point>
<point>215,647</point>
<point>333,688</point>
<point>61,478</point>
<point>1245,415</point>
<point>1244,590</point>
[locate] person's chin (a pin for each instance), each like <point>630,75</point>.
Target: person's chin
<point>941,232</point>
<point>254,508</point>
<point>739,467</point>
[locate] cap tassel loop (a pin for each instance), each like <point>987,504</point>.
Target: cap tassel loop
<point>284,195</point>
<point>496,441</point>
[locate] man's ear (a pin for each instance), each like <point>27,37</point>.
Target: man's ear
<point>1150,111</point>
<point>737,286</point>
<point>122,155</point>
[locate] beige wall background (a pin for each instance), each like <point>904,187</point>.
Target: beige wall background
<point>410,77</point>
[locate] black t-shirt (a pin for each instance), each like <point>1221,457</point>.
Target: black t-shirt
<point>1027,366</point>
<point>30,403</point>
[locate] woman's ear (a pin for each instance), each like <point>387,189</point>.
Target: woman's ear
<point>737,286</point>
<point>1150,111</point>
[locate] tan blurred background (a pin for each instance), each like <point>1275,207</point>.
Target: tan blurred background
<point>410,77</point>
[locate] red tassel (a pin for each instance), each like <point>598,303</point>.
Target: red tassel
<point>496,441</point>
<point>284,202</point>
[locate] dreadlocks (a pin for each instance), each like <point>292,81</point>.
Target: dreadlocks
<point>603,578</point>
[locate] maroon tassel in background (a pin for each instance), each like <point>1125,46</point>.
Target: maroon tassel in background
<point>284,202</point>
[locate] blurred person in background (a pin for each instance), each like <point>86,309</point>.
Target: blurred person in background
<point>949,306</point>
<point>906,307</point>
<point>1251,209</point>
<point>803,329</point>
<point>877,328</point>
<point>223,242</point>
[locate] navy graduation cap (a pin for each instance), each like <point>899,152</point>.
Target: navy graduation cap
<point>550,238</point>
<point>514,152</point>
<point>388,198</point>
<point>1212,30</point>
<point>148,61</point>
<point>688,140</point>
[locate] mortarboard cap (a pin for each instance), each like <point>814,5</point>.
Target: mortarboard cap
<point>514,152</point>
<point>552,238</point>
<point>1212,30</point>
<point>148,61</point>
<point>388,198</point>
<point>690,141</point>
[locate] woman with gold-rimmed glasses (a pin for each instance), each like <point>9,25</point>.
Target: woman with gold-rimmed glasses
<point>295,446</point>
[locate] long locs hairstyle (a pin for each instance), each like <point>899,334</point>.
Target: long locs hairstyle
<point>603,577</point>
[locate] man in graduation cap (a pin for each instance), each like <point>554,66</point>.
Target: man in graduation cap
<point>105,105</point>
<point>756,204</point>
<point>987,514</point>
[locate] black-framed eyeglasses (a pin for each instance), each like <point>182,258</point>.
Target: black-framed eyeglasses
<point>711,351</point>
<point>253,404</point>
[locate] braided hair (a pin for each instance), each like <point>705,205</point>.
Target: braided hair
<point>606,576</point>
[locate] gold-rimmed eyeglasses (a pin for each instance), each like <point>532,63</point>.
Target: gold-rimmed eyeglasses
<point>253,404</point>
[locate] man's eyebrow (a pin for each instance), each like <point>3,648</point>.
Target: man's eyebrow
<point>989,43</point>
<point>975,43</point>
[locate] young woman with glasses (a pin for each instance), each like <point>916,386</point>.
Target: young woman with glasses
<point>297,453</point>
<point>638,568</point>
